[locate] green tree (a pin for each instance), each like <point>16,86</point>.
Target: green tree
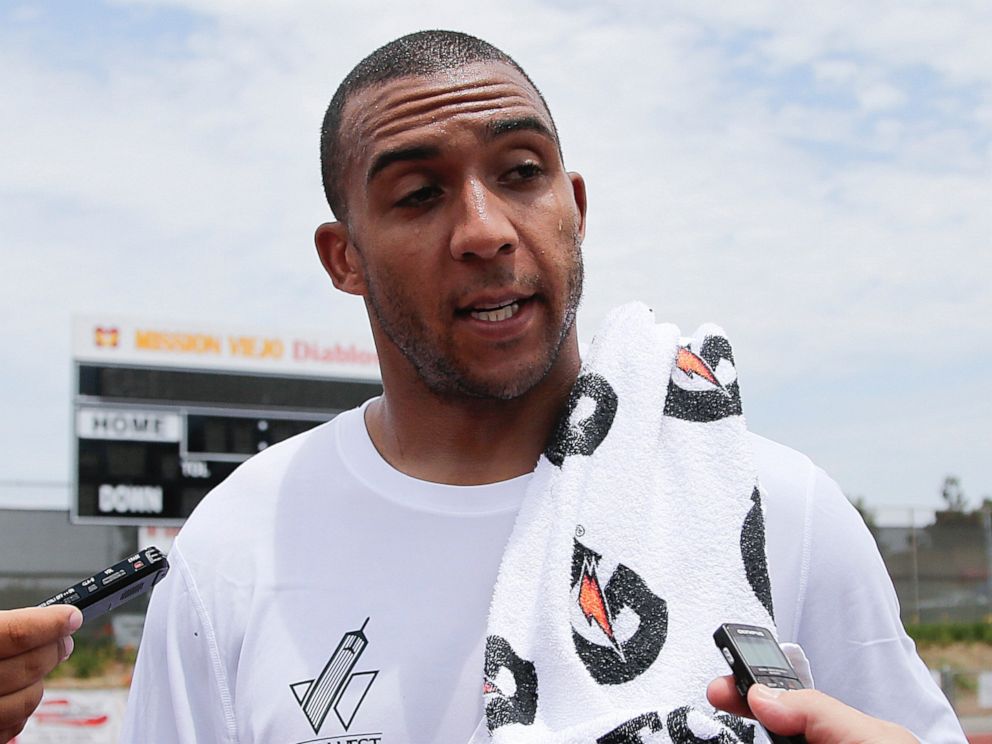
<point>953,495</point>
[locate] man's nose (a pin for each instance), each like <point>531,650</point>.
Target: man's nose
<point>482,227</point>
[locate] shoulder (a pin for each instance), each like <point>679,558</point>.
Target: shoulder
<point>797,490</point>
<point>780,468</point>
<point>817,542</point>
<point>801,498</point>
<point>239,511</point>
<point>229,545</point>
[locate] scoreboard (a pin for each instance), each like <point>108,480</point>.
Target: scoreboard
<point>163,412</point>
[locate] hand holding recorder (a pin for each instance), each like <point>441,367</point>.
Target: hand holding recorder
<point>32,643</point>
<point>34,640</point>
<point>820,718</point>
<point>776,698</point>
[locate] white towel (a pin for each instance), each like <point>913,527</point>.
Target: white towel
<point>641,532</point>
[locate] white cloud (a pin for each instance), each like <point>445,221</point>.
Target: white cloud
<point>760,164</point>
<point>835,71</point>
<point>879,96</point>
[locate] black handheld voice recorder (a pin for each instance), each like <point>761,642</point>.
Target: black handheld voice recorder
<point>115,585</point>
<point>754,656</point>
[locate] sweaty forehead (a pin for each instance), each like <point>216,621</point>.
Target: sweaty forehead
<point>403,110</point>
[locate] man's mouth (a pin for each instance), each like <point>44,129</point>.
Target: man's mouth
<point>495,313</point>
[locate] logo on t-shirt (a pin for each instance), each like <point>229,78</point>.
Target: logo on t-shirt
<point>338,687</point>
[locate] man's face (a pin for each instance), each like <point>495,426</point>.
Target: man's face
<point>466,227</point>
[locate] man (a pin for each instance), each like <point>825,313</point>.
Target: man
<point>337,585</point>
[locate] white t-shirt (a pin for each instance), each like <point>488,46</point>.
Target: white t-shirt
<point>320,595</point>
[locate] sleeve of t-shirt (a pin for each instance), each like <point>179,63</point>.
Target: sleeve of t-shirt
<point>850,626</point>
<point>179,693</point>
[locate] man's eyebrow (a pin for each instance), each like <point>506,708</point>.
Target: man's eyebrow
<point>521,123</point>
<point>387,158</point>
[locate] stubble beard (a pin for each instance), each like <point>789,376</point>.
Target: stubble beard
<point>439,371</point>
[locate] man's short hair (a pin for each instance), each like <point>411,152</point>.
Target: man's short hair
<point>420,53</point>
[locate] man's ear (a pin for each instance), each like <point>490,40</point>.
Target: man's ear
<point>579,192</point>
<point>339,257</point>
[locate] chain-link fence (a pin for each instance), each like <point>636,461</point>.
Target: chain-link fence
<point>970,693</point>
<point>939,563</point>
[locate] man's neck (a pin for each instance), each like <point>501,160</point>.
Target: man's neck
<point>469,441</point>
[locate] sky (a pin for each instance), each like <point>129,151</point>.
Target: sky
<point>814,177</point>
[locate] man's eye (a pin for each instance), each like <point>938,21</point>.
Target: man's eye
<point>419,197</point>
<point>524,172</point>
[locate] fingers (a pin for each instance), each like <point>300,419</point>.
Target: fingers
<point>17,707</point>
<point>25,629</point>
<point>9,734</point>
<point>32,642</point>
<point>18,672</point>
<point>723,694</point>
<point>823,719</point>
<point>789,715</point>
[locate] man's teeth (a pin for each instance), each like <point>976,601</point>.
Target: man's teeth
<point>497,314</point>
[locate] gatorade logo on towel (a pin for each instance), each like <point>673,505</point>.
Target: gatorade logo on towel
<point>703,386</point>
<point>592,407</point>
<point>615,647</point>
<point>510,685</point>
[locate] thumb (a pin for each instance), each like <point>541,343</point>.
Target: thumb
<point>24,629</point>
<point>821,718</point>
